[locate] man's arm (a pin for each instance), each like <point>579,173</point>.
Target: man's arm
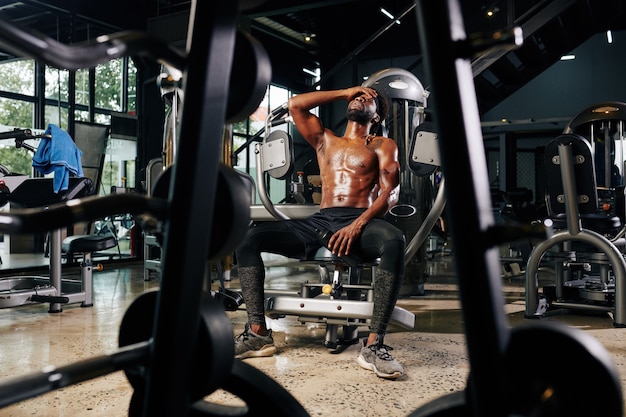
<point>308,124</point>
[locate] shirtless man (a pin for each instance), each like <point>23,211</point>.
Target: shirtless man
<point>360,182</point>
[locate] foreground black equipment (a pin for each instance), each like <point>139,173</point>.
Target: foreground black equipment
<point>503,380</point>
<point>186,349</point>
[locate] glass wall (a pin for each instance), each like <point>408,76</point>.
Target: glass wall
<point>32,96</point>
<point>114,90</point>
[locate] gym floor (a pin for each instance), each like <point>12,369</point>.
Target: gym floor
<point>433,353</point>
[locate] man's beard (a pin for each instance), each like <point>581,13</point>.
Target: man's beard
<point>360,116</point>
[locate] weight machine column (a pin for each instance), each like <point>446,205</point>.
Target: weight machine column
<point>55,268</point>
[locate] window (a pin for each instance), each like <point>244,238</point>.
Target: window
<point>18,77</point>
<point>16,113</point>
<point>108,85</point>
<point>255,124</point>
<point>114,91</point>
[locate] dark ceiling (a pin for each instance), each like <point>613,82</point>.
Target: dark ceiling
<point>348,31</point>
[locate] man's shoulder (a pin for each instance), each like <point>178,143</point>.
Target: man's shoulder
<point>383,140</point>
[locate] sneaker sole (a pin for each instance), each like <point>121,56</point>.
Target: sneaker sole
<point>371,367</point>
<point>264,352</point>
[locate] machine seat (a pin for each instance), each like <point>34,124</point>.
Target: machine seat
<point>598,222</point>
<point>324,255</point>
<point>88,243</point>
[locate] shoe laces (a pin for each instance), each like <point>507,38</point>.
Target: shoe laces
<point>382,351</point>
<point>245,335</point>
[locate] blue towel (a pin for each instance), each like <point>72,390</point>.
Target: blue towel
<point>60,155</point>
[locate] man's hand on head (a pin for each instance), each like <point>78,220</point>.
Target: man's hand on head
<point>366,92</point>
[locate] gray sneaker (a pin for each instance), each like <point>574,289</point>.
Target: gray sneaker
<point>377,358</point>
<point>250,345</point>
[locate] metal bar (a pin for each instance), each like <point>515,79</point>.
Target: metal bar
<point>470,210</point>
<point>106,48</point>
<point>29,386</point>
<point>346,309</point>
<point>592,238</point>
<point>55,267</point>
<point>192,194</point>
<point>568,176</point>
<point>35,220</point>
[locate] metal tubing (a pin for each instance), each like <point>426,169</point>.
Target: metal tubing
<point>260,183</point>
<point>590,237</point>
<point>86,277</point>
<point>55,267</point>
<point>192,196</point>
<point>29,386</point>
<point>330,308</point>
<point>428,224</point>
<point>570,193</point>
<point>580,306</point>
<point>36,220</point>
<point>109,47</point>
<point>468,191</point>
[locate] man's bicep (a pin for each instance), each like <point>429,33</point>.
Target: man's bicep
<point>389,165</point>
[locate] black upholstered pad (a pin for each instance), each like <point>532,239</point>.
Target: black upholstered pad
<point>88,243</point>
<point>584,174</point>
<point>39,192</point>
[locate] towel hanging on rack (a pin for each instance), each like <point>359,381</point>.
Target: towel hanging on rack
<point>58,154</point>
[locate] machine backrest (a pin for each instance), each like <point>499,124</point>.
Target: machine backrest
<point>39,192</point>
<point>277,154</point>
<point>424,150</point>
<point>584,176</point>
<point>91,139</point>
<point>153,170</point>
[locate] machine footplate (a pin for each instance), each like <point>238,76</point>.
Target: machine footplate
<point>331,308</point>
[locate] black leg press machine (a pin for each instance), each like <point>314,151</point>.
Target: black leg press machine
<point>38,194</point>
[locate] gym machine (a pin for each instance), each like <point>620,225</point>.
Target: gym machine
<point>343,300</point>
<point>585,196</point>
<point>38,194</point>
<point>176,344</point>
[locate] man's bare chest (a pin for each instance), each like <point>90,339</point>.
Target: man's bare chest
<point>352,157</point>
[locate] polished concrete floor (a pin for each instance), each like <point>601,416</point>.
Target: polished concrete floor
<point>433,353</point>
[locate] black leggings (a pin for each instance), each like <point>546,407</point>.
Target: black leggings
<point>298,239</point>
<point>379,239</point>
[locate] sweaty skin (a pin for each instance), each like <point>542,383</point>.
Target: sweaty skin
<point>357,169</point>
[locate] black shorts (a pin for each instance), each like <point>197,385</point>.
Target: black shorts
<point>332,219</point>
<point>298,238</point>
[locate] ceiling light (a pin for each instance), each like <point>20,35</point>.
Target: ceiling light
<point>308,36</point>
<point>399,84</point>
<point>389,15</point>
<point>610,110</point>
<point>568,57</point>
<point>609,36</point>
<point>492,12</point>
<point>386,13</point>
<point>313,73</point>
<point>605,109</point>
